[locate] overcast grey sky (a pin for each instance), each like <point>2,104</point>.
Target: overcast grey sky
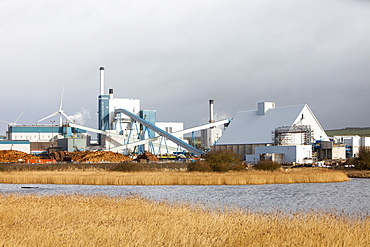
<point>176,55</point>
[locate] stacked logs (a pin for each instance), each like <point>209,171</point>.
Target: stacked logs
<point>148,156</point>
<point>90,156</point>
<point>14,156</point>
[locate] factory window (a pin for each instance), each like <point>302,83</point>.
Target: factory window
<point>168,129</point>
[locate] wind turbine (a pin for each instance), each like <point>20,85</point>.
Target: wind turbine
<point>15,122</point>
<point>60,112</point>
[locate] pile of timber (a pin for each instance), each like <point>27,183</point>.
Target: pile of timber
<point>90,156</point>
<point>148,156</point>
<point>14,156</point>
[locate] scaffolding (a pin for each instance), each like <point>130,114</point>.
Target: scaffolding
<point>292,135</point>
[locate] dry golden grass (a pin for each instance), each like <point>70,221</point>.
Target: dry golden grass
<point>100,177</point>
<point>115,221</point>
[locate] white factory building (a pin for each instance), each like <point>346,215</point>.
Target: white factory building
<point>352,144</point>
<point>40,137</point>
<point>284,134</point>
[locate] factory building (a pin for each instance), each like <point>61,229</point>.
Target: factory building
<point>23,146</point>
<point>255,134</point>
<point>40,137</point>
<point>351,144</point>
<point>35,133</point>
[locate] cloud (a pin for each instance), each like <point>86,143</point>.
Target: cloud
<point>176,55</point>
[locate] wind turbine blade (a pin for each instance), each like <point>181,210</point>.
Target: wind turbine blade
<point>18,117</point>
<point>51,115</point>
<point>67,117</point>
<point>61,100</point>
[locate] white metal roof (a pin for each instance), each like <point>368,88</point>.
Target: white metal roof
<point>247,127</point>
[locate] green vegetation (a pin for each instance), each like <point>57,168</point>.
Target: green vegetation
<point>363,161</point>
<point>267,165</point>
<point>127,167</point>
<point>349,131</point>
<point>199,166</point>
<point>218,161</point>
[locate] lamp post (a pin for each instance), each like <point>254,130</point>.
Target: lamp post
<point>52,133</point>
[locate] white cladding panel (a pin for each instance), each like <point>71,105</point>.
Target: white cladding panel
<point>131,105</point>
<point>365,141</point>
<point>32,137</point>
<point>306,117</point>
<point>209,137</point>
<point>18,147</point>
<point>170,127</point>
<point>353,141</point>
<point>338,153</point>
<point>296,153</point>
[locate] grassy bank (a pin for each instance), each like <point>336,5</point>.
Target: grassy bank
<point>103,221</point>
<point>102,177</point>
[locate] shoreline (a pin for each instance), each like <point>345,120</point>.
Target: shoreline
<point>102,177</point>
<point>357,173</point>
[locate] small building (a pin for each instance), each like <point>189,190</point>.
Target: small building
<point>300,154</point>
<point>72,144</point>
<point>351,143</point>
<point>329,150</point>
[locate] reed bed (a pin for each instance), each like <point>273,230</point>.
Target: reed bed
<point>100,177</point>
<point>116,221</point>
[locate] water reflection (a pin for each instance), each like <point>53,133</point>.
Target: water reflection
<point>348,197</point>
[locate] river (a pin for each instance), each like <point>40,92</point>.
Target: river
<point>351,197</point>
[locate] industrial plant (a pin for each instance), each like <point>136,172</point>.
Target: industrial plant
<point>290,134</point>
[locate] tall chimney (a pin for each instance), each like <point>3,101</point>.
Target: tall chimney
<point>101,80</point>
<point>211,119</point>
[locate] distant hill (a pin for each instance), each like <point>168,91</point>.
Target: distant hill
<point>365,131</point>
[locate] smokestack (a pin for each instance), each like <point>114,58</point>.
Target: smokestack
<point>101,80</point>
<point>211,119</point>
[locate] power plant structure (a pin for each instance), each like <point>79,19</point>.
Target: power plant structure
<point>122,127</point>
<point>289,134</point>
<point>125,128</point>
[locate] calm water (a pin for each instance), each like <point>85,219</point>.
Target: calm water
<point>348,197</point>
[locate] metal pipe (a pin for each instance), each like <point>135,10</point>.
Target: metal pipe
<point>211,118</point>
<point>101,80</point>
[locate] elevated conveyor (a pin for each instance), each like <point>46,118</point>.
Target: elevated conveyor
<point>161,132</point>
<point>177,133</point>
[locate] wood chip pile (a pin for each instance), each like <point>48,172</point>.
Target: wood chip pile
<point>90,156</point>
<point>148,156</point>
<point>14,156</point>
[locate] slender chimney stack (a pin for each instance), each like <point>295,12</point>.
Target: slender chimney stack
<point>101,80</point>
<point>211,119</point>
